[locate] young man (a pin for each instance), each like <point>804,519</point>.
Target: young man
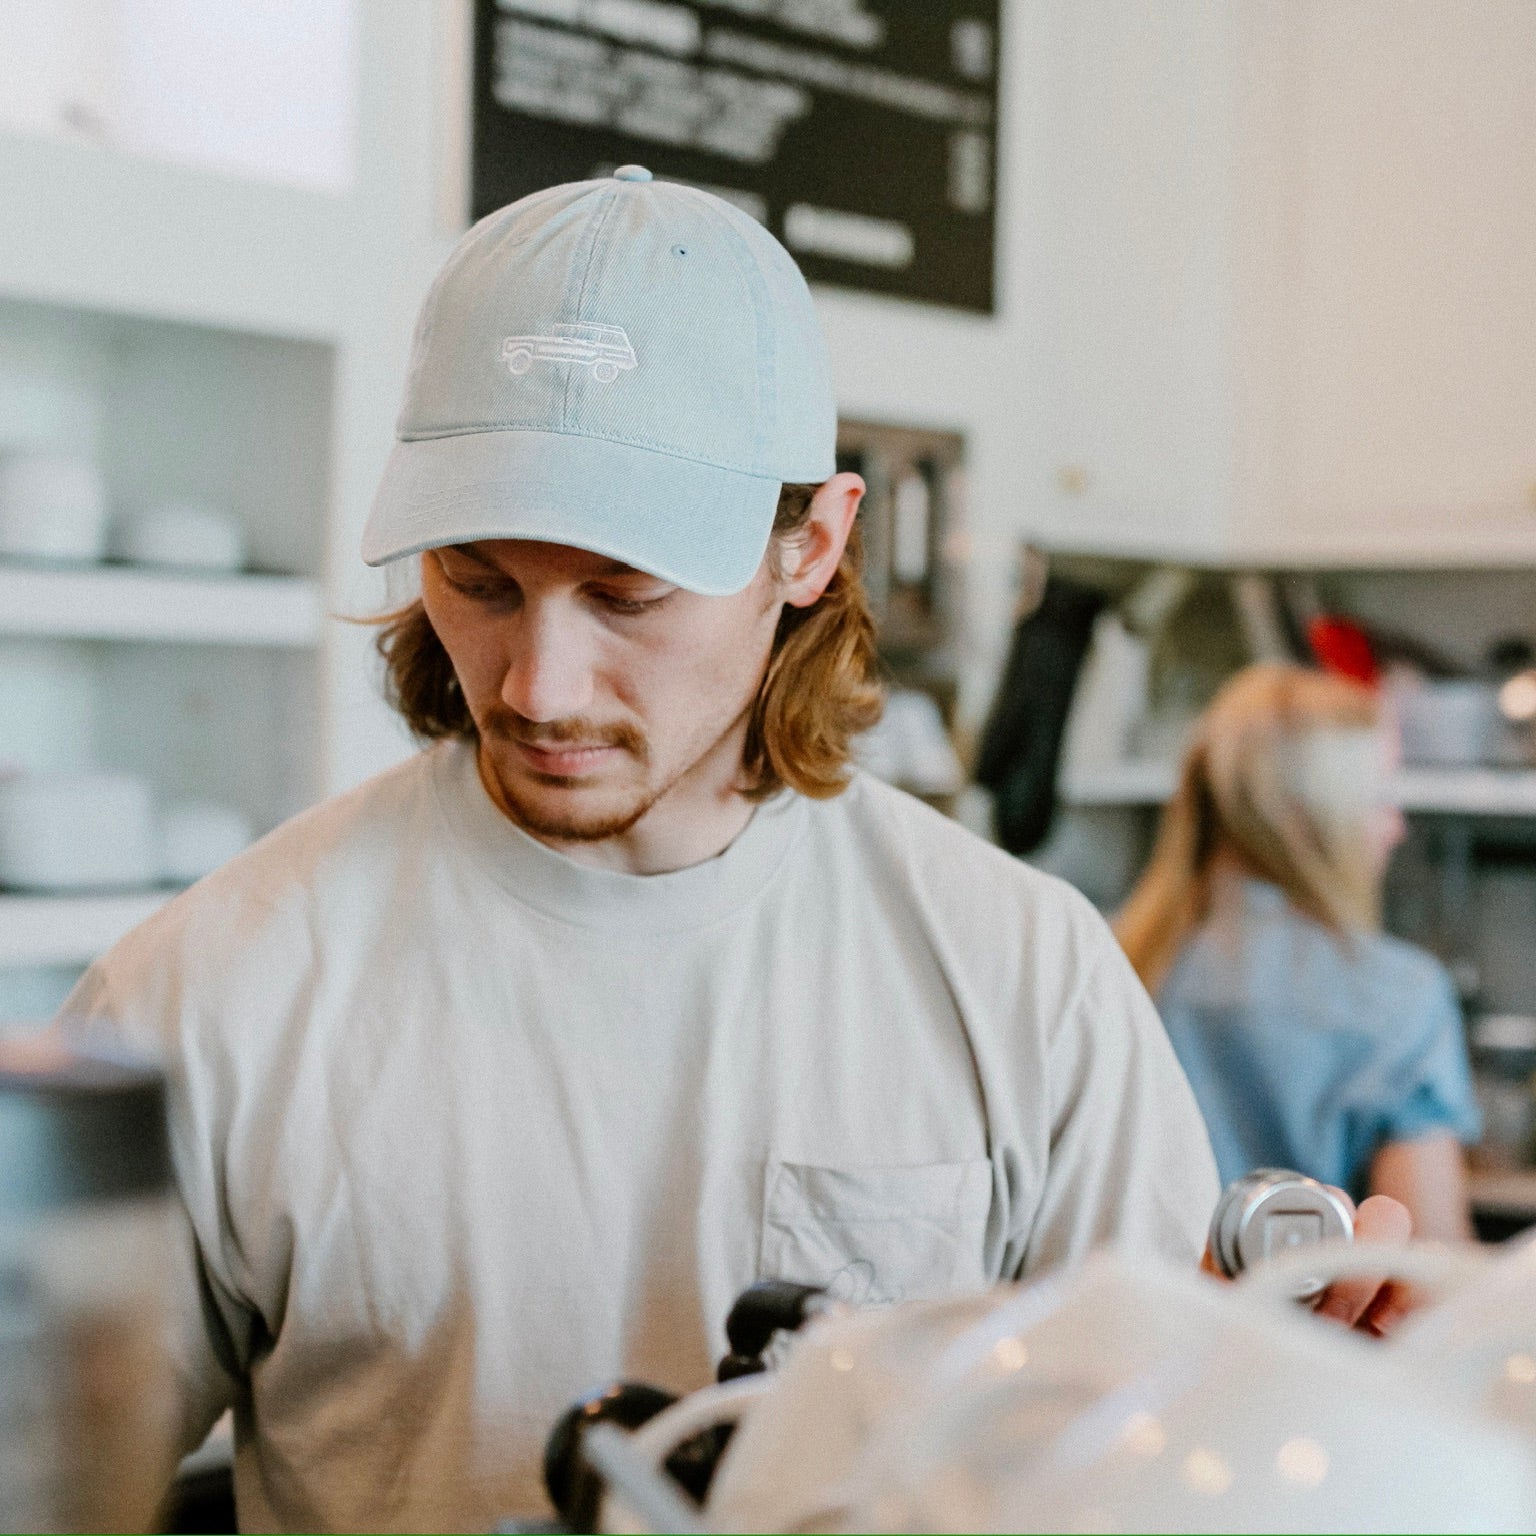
<point>501,1076</point>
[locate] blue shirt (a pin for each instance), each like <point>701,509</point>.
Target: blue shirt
<point>1307,1050</point>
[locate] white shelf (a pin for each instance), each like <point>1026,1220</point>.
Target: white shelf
<point>69,930</point>
<point>105,230</point>
<point>1498,539</point>
<point>124,603</point>
<point>1471,791</point>
<point>1127,783</point>
<point>1446,791</point>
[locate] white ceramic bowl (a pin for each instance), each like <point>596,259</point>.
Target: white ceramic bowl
<point>1450,724</point>
<point>76,831</point>
<point>182,535</point>
<point>196,837</point>
<point>52,507</point>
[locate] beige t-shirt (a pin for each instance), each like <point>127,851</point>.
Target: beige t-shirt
<point>465,1129</point>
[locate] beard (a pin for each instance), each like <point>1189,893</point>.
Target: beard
<point>618,808</point>
<point>610,810</point>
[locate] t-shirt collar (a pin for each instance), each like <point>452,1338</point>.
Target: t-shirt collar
<point>561,888</point>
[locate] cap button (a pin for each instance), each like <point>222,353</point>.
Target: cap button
<point>631,173</point>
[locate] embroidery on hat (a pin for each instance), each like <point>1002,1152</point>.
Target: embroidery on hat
<point>605,349</point>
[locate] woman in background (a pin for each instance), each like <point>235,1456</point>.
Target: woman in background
<point>1312,1040</point>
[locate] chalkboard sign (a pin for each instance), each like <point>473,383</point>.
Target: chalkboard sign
<point>861,132</point>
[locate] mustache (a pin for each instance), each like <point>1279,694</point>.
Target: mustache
<point>575,733</point>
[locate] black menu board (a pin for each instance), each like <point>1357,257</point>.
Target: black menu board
<point>861,132</point>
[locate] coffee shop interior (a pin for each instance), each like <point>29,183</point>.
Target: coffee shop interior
<point>1171,338</point>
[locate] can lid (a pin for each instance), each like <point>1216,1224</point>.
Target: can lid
<point>78,1125</point>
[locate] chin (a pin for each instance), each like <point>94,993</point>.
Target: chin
<point>573,814</point>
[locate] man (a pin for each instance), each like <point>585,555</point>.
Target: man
<point>503,1074</point>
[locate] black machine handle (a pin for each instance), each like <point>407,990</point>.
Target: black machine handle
<point>761,1311</point>
<point>574,1484</point>
<point>574,1487</point>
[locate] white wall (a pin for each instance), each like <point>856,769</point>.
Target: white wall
<point>262,88</point>
<point>406,150</point>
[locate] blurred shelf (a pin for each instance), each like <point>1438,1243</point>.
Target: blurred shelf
<point>1442,791</point>
<point>143,236</point>
<point>69,930</point>
<point>1128,783</point>
<point>1496,539</point>
<point>1510,1192</point>
<point>126,603</point>
<point>1469,791</point>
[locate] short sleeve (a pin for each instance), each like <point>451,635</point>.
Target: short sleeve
<point>1130,1162</point>
<point>1433,1088</point>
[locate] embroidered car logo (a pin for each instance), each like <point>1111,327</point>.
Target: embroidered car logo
<point>605,349</point>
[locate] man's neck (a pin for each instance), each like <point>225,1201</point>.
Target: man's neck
<point>680,830</point>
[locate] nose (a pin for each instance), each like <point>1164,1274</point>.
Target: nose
<point>549,672</point>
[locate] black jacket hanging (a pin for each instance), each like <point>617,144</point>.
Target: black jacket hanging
<point>1021,745</point>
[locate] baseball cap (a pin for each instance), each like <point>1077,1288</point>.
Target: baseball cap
<point>629,366</point>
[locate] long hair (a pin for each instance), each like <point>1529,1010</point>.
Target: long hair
<point>1284,771</point>
<point>821,687</point>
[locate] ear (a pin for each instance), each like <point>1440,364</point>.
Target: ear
<point>816,550</point>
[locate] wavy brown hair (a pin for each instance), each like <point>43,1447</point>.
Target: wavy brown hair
<point>821,688</point>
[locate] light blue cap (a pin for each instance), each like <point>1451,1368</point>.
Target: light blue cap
<point>628,366</point>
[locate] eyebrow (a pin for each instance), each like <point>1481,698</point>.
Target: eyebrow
<point>608,568</point>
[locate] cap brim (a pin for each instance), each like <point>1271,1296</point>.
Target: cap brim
<point>700,526</point>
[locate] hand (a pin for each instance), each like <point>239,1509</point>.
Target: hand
<point>1370,1303</point>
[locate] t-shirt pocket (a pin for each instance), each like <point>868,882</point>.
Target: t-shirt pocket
<point>875,1235</point>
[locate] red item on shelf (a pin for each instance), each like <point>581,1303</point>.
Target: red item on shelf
<point>1341,646</point>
